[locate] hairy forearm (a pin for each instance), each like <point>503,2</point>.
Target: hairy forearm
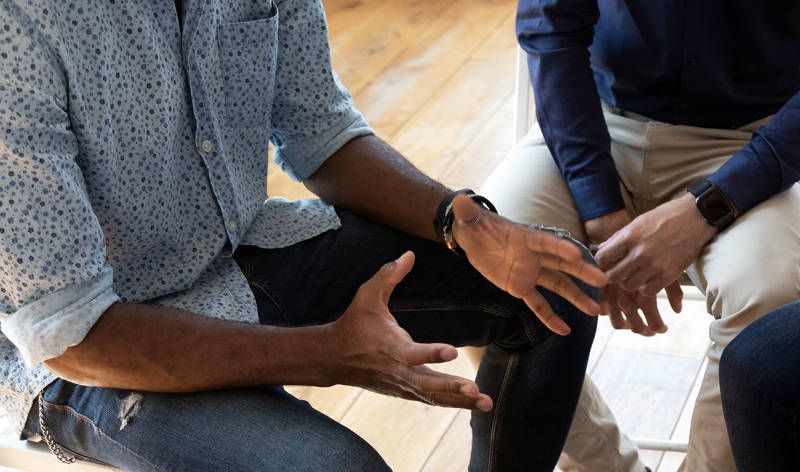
<point>370,178</point>
<point>155,348</point>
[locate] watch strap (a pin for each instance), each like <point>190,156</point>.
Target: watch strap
<point>699,187</point>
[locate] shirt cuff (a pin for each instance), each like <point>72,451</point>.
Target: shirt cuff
<point>596,195</point>
<point>745,179</point>
<point>47,327</point>
<point>301,160</point>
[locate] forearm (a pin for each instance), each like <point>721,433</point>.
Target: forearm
<point>370,178</point>
<point>768,164</point>
<point>557,34</point>
<point>155,348</point>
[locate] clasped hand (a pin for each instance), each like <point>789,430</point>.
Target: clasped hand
<point>647,255</point>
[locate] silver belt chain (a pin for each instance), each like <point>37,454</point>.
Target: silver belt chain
<point>48,438</point>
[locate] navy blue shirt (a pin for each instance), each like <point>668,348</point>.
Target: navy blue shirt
<point>709,63</point>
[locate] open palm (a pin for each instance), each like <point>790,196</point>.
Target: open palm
<point>517,259</point>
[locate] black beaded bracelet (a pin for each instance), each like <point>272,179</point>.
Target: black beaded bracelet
<point>445,217</point>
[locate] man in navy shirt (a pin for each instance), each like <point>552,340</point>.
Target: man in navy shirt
<point>669,136</point>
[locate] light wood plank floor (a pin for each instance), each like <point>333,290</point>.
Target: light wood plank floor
<point>435,79</point>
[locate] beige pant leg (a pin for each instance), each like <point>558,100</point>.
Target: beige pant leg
<point>746,271</point>
<point>749,270</point>
<point>528,187</point>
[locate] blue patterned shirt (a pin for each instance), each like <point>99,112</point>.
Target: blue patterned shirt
<point>133,160</point>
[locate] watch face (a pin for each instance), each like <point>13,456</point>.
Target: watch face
<point>713,206</point>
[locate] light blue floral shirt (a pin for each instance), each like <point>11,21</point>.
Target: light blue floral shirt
<point>133,160</point>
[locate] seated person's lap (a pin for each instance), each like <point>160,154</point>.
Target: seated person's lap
<point>443,300</point>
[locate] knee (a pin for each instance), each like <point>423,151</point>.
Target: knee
<point>585,325</point>
<point>738,369</point>
<point>528,187</point>
<point>582,326</point>
<point>356,454</point>
<point>748,278</point>
<point>759,362</point>
<point>740,297</point>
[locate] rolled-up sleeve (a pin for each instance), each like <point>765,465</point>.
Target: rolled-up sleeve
<point>312,113</point>
<point>48,326</point>
<point>55,281</point>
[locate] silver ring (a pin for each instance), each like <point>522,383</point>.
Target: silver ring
<point>474,220</point>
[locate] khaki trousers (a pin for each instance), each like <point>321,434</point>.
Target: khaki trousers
<point>746,271</point>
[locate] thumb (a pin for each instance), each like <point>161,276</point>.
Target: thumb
<point>391,274</point>
<point>465,210</point>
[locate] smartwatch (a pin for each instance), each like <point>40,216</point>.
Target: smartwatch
<point>717,209</point>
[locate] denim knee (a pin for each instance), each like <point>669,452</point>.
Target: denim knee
<point>735,367</point>
<point>356,454</point>
<point>581,325</point>
<point>759,361</point>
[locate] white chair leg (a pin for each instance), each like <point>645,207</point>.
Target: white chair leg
<point>665,445</point>
<point>523,94</point>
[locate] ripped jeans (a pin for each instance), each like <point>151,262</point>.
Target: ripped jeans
<point>533,376</point>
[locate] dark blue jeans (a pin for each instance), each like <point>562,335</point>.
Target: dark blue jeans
<point>533,376</point>
<point>759,376</point>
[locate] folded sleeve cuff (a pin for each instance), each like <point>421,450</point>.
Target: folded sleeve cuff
<point>300,160</point>
<point>596,195</point>
<point>751,176</point>
<point>47,327</point>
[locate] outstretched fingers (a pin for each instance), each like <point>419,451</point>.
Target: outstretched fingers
<point>428,380</point>
<point>420,353</point>
<point>579,269</point>
<point>543,241</point>
<point>564,287</point>
<point>481,402</point>
<point>442,389</point>
<point>537,303</point>
<point>384,281</point>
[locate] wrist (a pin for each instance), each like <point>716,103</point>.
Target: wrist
<point>599,229</point>
<point>293,356</point>
<point>704,229</point>
<point>325,366</point>
<point>445,220</point>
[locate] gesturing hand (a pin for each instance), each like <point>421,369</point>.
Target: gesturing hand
<point>517,258</point>
<point>372,351</point>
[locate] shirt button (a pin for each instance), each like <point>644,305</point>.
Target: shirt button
<point>207,145</point>
<point>232,226</point>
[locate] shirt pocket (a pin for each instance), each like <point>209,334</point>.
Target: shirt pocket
<point>248,56</point>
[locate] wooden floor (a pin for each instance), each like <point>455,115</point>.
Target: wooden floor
<point>435,79</point>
